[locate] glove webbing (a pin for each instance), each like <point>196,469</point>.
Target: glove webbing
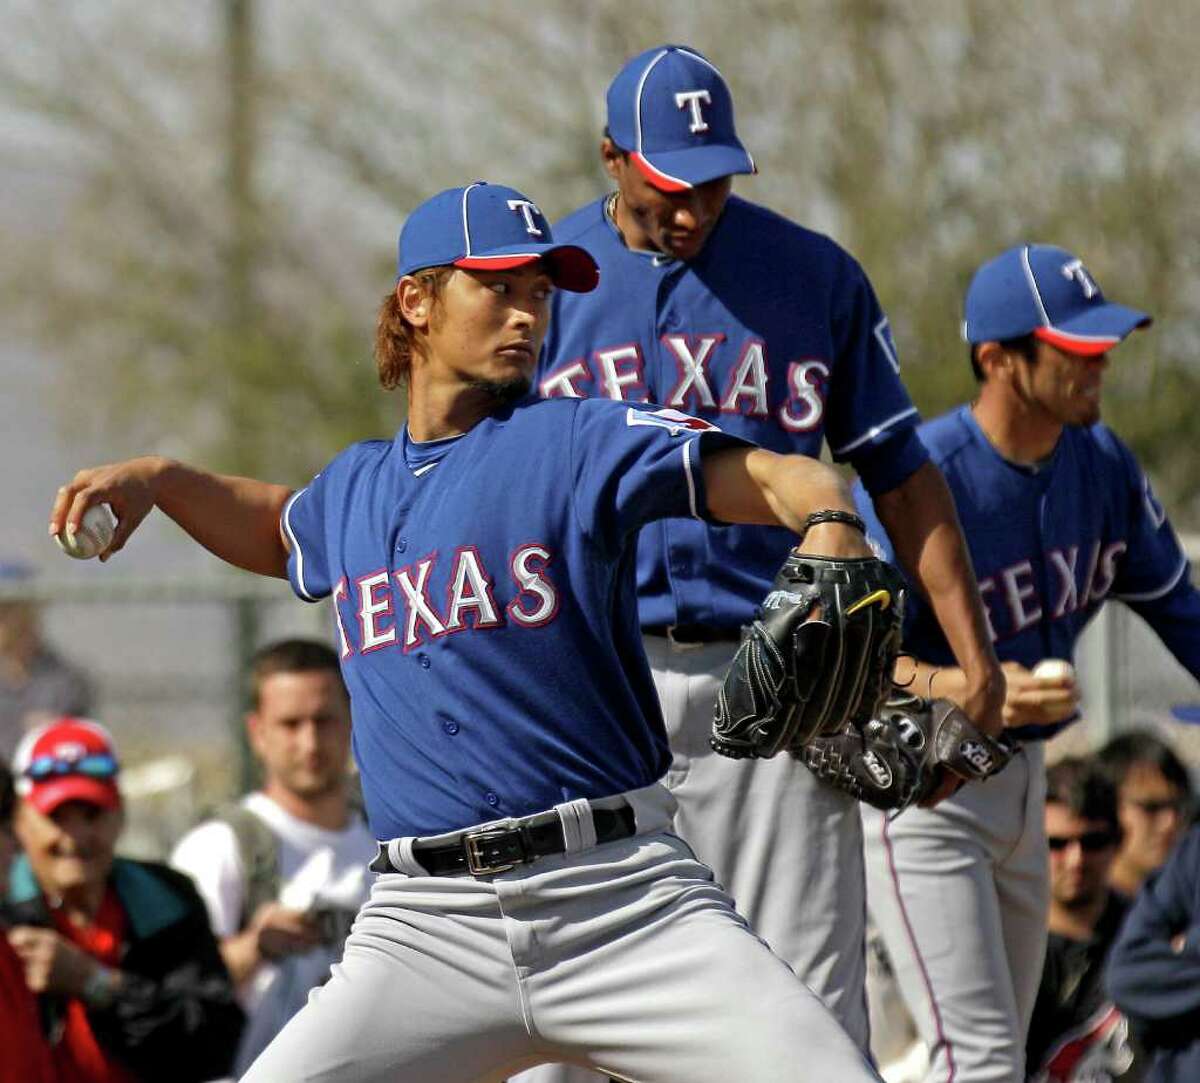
<point>829,766</point>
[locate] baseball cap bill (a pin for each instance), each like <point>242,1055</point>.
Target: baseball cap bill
<point>1046,291</point>
<point>671,110</point>
<point>488,227</point>
<point>69,759</point>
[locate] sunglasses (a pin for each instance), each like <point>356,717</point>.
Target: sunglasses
<point>1154,808</point>
<point>1089,841</point>
<point>99,765</point>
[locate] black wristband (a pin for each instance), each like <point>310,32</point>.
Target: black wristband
<point>831,516</point>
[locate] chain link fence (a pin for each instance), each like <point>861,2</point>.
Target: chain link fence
<point>167,657</point>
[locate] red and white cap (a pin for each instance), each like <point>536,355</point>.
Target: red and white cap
<point>69,759</point>
<point>489,227</point>
<point>1043,290</point>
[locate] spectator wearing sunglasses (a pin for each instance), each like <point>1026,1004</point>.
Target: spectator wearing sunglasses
<point>1076,1032</point>
<point>1153,801</point>
<point>119,954</point>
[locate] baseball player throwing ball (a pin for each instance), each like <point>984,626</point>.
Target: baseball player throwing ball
<point>532,904</point>
<point>712,305</point>
<point>1059,517</point>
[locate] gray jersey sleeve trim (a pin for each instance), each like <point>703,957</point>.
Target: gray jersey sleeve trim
<point>287,526</point>
<point>874,431</point>
<point>1151,595</point>
<point>688,467</point>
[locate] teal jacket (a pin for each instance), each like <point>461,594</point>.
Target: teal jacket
<point>175,1016</point>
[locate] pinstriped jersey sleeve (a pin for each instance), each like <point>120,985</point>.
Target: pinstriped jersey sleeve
<point>632,465</point>
<point>303,524</point>
<point>1154,563</point>
<point>1153,575</point>
<point>868,403</point>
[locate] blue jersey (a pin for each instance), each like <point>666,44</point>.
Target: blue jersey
<point>772,331</point>
<point>484,597</point>
<point>1051,543</point>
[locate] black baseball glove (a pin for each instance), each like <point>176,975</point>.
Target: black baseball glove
<point>900,758</point>
<point>819,653</point>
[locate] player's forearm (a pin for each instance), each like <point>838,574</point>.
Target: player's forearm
<point>921,521</point>
<point>235,518</point>
<point>758,486</point>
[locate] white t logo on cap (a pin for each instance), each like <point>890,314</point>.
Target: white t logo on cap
<point>528,210</point>
<point>1076,270</point>
<point>691,99</point>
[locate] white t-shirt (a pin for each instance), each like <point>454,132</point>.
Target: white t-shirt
<point>318,869</point>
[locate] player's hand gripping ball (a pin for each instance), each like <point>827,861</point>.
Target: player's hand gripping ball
<point>899,758</point>
<point>1054,669</point>
<point>819,653</point>
<point>93,536</point>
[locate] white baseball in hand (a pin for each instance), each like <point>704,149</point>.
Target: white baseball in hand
<point>94,533</point>
<point>1054,669</point>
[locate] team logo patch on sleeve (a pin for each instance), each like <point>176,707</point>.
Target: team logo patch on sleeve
<point>674,421</point>
<point>1154,509</point>
<point>883,335</point>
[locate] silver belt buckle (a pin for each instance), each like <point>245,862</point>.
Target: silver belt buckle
<point>476,862</point>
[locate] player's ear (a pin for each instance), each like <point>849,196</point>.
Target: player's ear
<point>613,158</point>
<point>415,301</point>
<point>993,360</point>
<point>253,730</point>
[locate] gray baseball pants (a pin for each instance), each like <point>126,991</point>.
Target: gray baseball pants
<point>959,894</point>
<point>787,848</point>
<point>625,957</point>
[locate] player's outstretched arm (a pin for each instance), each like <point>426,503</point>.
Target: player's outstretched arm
<point>752,485</point>
<point>235,518</point>
<point>921,520</point>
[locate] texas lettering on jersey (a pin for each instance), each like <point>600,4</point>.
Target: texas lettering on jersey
<point>1013,600</point>
<point>379,609</point>
<point>619,372</point>
<point>1051,545</point>
<point>485,607</point>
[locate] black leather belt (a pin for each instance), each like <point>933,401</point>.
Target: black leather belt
<point>490,850</point>
<point>694,633</point>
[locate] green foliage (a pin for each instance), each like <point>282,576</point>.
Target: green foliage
<point>232,318</point>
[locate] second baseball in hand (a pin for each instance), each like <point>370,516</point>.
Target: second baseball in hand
<point>1054,669</point>
<point>94,533</point>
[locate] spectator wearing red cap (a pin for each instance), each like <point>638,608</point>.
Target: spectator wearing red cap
<point>119,954</point>
<point>26,1056</point>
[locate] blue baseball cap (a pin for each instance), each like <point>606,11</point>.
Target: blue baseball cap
<point>671,110</point>
<point>488,227</point>
<point>1047,291</point>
